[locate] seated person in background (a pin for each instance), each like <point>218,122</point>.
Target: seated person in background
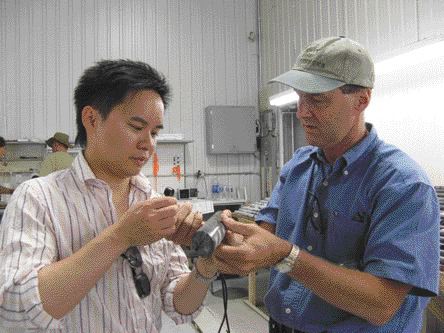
<point>59,159</point>
<point>93,248</point>
<point>3,189</point>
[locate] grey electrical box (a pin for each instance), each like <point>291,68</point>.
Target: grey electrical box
<point>231,129</point>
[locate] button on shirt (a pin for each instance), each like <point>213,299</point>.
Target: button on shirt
<point>49,219</point>
<point>374,210</point>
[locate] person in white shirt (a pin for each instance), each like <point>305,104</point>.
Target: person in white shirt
<point>92,248</point>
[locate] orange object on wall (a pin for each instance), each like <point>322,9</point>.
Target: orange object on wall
<point>155,164</point>
<point>176,171</point>
<point>155,169</point>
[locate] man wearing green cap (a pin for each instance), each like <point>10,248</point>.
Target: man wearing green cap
<point>3,189</point>
<point>60,158</point>
<point>351,230</point>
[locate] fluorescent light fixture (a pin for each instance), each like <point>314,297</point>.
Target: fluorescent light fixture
<point>410,58</point>
<point>286,97</point>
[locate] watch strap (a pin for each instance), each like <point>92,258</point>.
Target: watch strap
<point>287,264</point>
<point>199,277</point>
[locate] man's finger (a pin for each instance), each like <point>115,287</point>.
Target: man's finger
<point>165,212</point>
<point>188,228</point>
<point>187,222</point>
<point>197,221</point>
<point>228,252</point>
<point>168,231</point>
<point>158,203</point>
<point>167,222</point>
<point>238,227</point>
<point>184,211</point>
<point>227,266</point>
<point>226,213</point>
<point>232,238</point>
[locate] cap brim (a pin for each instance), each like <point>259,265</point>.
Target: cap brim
<point>307,82</point>
<point>50,141</point>
<point>63,143</point>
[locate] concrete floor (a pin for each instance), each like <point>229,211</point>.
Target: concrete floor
<point>242,318</point>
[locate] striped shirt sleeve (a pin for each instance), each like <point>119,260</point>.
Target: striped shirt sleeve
<point>178,267</point>
<point>27,244</point>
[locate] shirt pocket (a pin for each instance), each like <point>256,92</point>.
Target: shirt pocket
<point>346,238</point>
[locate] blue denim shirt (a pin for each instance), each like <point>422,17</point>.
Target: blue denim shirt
<point>373,210</point>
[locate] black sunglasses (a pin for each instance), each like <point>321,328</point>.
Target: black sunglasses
<point>141,281</point>
<point>313,214</point>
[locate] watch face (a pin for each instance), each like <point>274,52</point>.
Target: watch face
<point>286,264</point>
<point>283,267</point>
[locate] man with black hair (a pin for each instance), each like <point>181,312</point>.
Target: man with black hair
<point>85,249</point>
<point>3,189</point>
<point>352,227</point>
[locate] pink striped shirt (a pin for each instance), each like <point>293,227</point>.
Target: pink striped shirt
<point>49,219</point>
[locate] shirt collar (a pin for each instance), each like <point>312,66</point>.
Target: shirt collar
<point>142,183</point>
<point>83,171</point>
<point>354,153</point>
<point>318,155</point>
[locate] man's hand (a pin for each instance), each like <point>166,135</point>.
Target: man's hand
<point>206,266</point>
<point>148,221</point>
<point>248,247</point>
<point>188,222</point>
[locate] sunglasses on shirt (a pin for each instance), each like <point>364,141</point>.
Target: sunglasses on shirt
<point>313,214</point>
<point>141,281</point>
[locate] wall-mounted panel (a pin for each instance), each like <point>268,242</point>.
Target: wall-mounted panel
<point>231,129</point>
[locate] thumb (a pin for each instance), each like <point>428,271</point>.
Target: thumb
<point>238,227</point>
<point>184,211</point>
<point>226,212</point>
<point>233,239</point>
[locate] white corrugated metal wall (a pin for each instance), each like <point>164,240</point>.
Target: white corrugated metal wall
<point>202,46</point>
<point>385,28</point>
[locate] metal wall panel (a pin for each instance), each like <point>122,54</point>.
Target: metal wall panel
<point>431,18</point>
<point>202,46</point>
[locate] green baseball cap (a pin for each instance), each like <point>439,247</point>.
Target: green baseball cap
<point>59,137</point>
<point>330,63</point>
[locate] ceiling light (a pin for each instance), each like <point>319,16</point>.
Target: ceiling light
<point>410,58</point>
<point>286,97</point>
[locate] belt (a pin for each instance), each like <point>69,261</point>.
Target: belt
<point>275,327</point>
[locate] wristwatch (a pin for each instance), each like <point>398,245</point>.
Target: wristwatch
<point>199,277</point>
<point>286,264</point>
